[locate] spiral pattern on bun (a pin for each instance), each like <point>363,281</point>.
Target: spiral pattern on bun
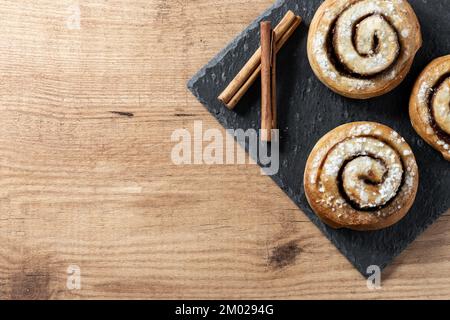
<point>361,176</point>
<point>363,48</point>
<point>430,105</point>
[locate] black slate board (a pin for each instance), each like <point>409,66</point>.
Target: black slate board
<point>308,110</point>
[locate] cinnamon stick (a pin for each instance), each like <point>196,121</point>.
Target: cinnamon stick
<point>252,69</point>
<point>266,81</point>
<point>252,78</point>
<point>273,82</point>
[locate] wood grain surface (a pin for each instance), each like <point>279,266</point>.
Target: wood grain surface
<point>86,175</point>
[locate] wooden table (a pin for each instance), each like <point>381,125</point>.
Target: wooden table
<point>87,179</point>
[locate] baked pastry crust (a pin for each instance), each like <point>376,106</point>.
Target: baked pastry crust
<point>361,176</point>
<point>429,106</point>
<point>363,48</point>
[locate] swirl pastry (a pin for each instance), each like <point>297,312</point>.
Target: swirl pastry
<point>429,106</point>
<point>361,176</point>
<point>363,48</point>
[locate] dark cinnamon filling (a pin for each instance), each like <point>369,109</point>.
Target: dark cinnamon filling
<point>376,41</point>
<point>444,136</point>
<point>352,203</point>
<point>340,66</point>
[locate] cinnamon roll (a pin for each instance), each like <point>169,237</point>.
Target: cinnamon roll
<point>429,107</point>
<point>363,48</point>
<point>361,176</point>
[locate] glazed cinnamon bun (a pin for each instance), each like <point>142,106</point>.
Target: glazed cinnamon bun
<point>363,48</point>
<point>361,176</point>
<point>429,106</point>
